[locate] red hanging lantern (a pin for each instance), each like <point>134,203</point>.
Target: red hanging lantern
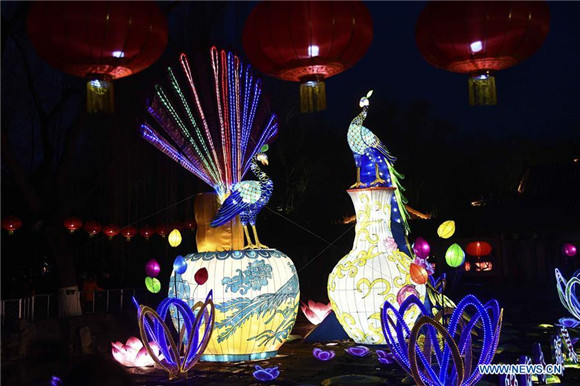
<point>163,230</point>
<point>72,224</point>
<point>146,232</point>
<point>418,274</point>
<point>11,224</point>
<point>481,37</point>
<point>128,232</point>
<point>98,40</point>
<point>478,248</point>
<point>307,42</point>
<point>111,230</point>
<point>92,228</point>
<point>190,224</point>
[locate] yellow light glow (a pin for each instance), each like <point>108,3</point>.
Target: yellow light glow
<point>174,238</point>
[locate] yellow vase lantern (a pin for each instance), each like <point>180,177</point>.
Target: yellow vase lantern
<point>374,271</point>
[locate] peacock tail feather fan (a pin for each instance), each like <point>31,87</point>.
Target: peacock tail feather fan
<point>211,128</point>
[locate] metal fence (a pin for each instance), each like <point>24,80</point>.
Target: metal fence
<point>46,305</point>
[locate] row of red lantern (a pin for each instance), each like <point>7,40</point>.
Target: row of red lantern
<point>13,223</point>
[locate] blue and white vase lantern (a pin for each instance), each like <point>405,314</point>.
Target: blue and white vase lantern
<point>256,297</point>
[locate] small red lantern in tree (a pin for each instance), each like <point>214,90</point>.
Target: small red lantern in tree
<point>418,274</point>
<point>478,248</point>
<point>190,224</point>
<point>146,232</point>
<point>163,230</point>
<point>481,37</point>
<point>72,224</point>
<point>307,42</point>
<point>111,230</point>
<point>92,228</point>
<point>128,232</point>
<point>98,40</point>
<point>11,224</point>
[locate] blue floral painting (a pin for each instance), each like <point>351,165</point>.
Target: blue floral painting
<point>254,277</point>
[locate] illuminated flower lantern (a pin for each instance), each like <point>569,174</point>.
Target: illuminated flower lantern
<point>377,268</point>
<point>480,38</point>
<point>98,40</point>
<point>454,256</point>
<point>307,42</point>
<point>174,238</point>
<point>446,229</point>
<point>72,224</point>
<point>255,289</point>
<point>11,224</point>
<point>316,312</point>
<point>92,228</point>
<point>569,249</point>
<point>129,232</point>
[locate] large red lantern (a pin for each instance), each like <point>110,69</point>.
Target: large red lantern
<point>98,40</point>
<point>478,248</point>
<point>72,224</point>
<point>128,232</point>
<point>481,37</point>
<point>11,224</point>
<point>111,230</point>
<point>92,228</point>
<point>307,42</point>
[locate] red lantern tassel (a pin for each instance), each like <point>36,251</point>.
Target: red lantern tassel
<point>100,96</point>
<point>312,95</point>
<point>482,89</point>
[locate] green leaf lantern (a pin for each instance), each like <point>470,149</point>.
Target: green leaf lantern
<point>152,284</point>
<point>454,256</point>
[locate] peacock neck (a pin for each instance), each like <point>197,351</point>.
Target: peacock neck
<point>357,122</point>
<point>262,177</point>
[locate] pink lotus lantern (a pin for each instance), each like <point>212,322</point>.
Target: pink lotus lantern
<point>133,353</point>
<point>315,312</point>
<point>421,248</point>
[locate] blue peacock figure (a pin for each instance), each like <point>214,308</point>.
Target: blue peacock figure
<point>247,199</point>
<point>374,167</point>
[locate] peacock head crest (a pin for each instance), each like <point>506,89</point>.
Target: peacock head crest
<point>364,101</point>
<point>261,156</point>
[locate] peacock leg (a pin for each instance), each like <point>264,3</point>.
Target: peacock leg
<point>378,179</point>
<point>249,245</point>
<point>258,245</point>
<point>357,184</point>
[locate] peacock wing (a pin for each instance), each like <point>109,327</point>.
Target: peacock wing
<point>371,140</point>
<point>240,200</point>
<point>250,191</point>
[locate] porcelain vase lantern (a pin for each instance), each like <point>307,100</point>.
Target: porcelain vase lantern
<point>374,271</point>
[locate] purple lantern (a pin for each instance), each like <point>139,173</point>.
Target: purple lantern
<point>323,355</point>
<point>421,248</point>
<point>569,249</point>
<point>152,268</point>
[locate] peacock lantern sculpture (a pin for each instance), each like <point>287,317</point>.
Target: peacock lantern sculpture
<point>377,268</point>
<point>212,119</point>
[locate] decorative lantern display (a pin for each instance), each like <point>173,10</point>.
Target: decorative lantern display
<point>481,37</point>
<point>174,238</point>
<point>467,266</point>
<point>478,248</point>
<point>307,42</point>
<point>190,224</point>
<point>179,265</point>
<point>483,266</point>
<point>454,256</point>
<point>418,274</point>
<point>128,232</point>
<point>146,231</point>
<point>446,229</point>
<point>162,230</point>
<point>72,224</point>
<point>111,231</point>
<point>11,224</point>
<point>315,312</point>
<point>98,40</point>
<point>92,228</point>
<point>133,353</point>
<point>421,248</point>
<point>152,284</point>
<point>152,268</point>
<point>256,299</point>
<point>569,249</point>
<point>374,270</point>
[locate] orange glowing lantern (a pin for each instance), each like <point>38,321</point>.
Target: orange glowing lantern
<point>418,274</point>
<point>128,232</point>
<point>92,228</point>
<point>72,224</point>
<point>111,231</point>
<point>11,224</point>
